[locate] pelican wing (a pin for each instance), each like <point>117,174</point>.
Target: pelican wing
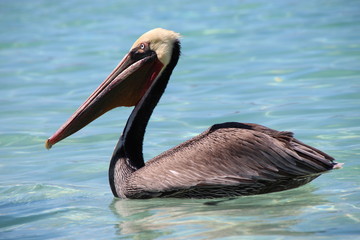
<point>227,156</point>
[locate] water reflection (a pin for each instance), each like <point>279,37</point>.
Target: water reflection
<point>270,214</point>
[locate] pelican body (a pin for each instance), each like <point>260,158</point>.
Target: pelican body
<point>228,159</point>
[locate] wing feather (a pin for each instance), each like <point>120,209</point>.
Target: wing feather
<point>230,154</point>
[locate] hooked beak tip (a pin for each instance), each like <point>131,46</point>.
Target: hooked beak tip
<point>48,144</point>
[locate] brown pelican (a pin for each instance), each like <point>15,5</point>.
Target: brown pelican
<point>228,159</point>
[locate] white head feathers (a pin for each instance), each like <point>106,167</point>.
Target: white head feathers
<point>161,41</point>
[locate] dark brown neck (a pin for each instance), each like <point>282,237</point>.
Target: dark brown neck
<point>130,144</point>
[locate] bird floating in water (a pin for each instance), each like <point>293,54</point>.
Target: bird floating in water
<point>229,159</point>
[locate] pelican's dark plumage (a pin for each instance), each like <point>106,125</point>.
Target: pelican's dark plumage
<point>228,159</point>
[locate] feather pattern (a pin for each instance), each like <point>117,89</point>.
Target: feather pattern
<point>229,159</point>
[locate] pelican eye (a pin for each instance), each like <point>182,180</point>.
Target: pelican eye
<point>143,47</point>
<point>141,51</point>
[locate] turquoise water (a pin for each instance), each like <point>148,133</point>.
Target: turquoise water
<point>289,65</point>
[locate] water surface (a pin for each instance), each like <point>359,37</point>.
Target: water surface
<point>289,65</point>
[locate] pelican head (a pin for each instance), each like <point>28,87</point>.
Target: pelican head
<point>127,83</point>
